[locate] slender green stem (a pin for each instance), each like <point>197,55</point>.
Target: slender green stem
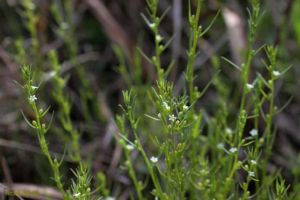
<point>196,32</point>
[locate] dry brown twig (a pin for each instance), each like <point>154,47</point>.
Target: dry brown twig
<point>112,28</point>
<point>30,191</point>
<point>177,28</point>
<point>235,28</point>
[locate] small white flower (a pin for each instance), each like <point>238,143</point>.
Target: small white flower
<point>220,146</point>
<point>77,194</point>
<point>228,131</point>
<point>110,198</point>
<point>233,149</point>
<point>166,106</point>
<point>32,98</point>
<point>154,159</point>
<point>253,162</point>
<point>51,74</point>
<point>159,115</point>
<point>152,25</point>
<point>185,107</point>
<point>34,87</point>
<point>129,147</point>
<point>251,174</point>
<point>172,118</point>
<point>158,38</point>
<point>276,73</point>
<point>31,6</point>
<point>249,86</point>
<point>64,25</point>
<point>253,132</point>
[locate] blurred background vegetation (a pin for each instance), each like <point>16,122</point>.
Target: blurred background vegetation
<point>97,42</point>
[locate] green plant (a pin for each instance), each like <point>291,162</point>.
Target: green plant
<point>184,151</point>
<point>81,188</point>
<point>194,155</point>
<point>39,125</point>
<point>65,106</point>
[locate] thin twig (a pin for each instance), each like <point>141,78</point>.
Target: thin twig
<point>177,28</point>
<point>112,28</point>
<point>30,191</point>
<point>236,34</point>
